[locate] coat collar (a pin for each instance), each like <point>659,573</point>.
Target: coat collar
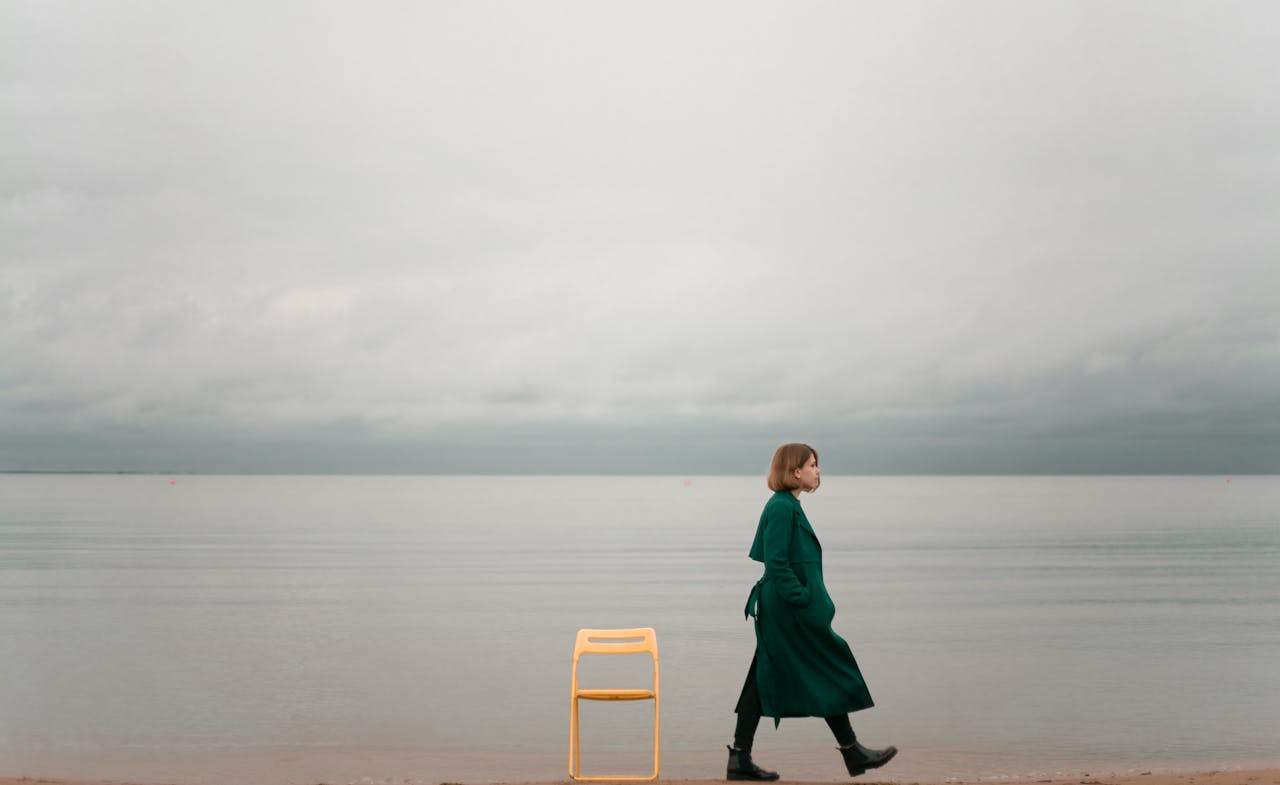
<point>790,498</point>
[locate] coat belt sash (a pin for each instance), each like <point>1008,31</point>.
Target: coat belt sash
<point>753,600</point>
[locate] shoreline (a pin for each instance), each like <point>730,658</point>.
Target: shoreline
<point>807,764</point>
<point>1154,776</point>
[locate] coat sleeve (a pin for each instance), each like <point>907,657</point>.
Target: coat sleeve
<point>779,529</point>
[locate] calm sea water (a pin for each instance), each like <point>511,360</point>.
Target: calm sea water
<point>379,628</point>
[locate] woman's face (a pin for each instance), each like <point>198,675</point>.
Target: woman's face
<point>808,475</point>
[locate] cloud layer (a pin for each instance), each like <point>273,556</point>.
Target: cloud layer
<point>966,230</point>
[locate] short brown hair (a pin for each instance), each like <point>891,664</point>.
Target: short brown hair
<point>788,458</point>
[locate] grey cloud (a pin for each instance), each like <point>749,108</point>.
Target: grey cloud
<point>1009,228</point>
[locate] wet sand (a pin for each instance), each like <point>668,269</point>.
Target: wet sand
<point>1226,776</point>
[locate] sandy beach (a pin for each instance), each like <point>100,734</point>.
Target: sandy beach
<point>797,764</point>
<point>1155,776</point>
<point>1269,776</point>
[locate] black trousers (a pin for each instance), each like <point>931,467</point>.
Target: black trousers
<point>750,711</point>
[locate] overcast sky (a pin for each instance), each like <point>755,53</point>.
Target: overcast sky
<point>612,237</point>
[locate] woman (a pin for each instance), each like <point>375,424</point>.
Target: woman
<point>801,667</point>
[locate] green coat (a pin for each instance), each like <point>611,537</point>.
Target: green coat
<point>803,668</point>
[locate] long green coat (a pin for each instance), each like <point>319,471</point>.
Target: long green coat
<point>803,668</point>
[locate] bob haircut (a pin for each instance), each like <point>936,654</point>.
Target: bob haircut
<point>788,458</point>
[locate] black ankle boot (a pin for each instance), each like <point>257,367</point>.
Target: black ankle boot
<point>857,759</point>
<point>741,767</point>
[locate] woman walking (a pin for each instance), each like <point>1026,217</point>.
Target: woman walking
<point>801,667</point>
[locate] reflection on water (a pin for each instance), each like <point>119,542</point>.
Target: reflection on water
<point>1002,623</point>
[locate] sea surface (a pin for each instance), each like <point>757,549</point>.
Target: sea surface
<point>388,629</point>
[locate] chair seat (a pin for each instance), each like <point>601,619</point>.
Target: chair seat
<point>616,695</point>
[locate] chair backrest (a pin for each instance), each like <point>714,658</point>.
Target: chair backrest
<point>635,641</point>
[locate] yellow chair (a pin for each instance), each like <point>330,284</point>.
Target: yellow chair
<point>637,641</point>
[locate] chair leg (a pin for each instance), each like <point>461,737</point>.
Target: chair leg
<point>656,737</point>
<point>575,760</point>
